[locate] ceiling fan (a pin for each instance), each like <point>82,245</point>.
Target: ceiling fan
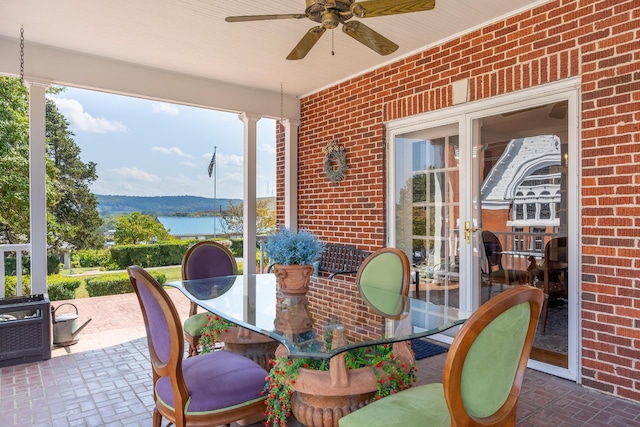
<point>330,13</point>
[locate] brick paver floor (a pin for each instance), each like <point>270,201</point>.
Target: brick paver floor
<point>105,380</point>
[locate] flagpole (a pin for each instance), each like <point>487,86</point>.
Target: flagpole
<point>213,168</point>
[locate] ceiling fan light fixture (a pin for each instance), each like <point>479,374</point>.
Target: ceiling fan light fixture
<point>330,20</point>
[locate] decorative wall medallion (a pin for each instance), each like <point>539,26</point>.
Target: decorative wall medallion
<point>333,152</point>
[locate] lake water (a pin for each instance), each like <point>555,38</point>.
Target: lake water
<point>192,226</point>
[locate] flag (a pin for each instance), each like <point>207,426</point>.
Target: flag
<point>212,164</point>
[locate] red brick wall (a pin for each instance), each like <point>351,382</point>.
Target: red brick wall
<point>594,39</point>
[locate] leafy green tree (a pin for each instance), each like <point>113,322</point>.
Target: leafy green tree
<point>75,210</point>
<point>136,228</point>
<point>14,161</point>
<point>265,218</point>
<point>72,215</point>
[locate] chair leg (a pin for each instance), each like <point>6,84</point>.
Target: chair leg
<point>545,312</point>
<point>193,344</point>
<point>157,418</point>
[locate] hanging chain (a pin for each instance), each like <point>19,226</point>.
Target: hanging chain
<point>22,55</point>
<point>281,102</point>
<point>332,45</point>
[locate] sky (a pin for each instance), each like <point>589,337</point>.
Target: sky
<point>150,148</point>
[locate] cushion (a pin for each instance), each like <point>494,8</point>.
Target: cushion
<point>216,381</point>
<point>194,324</point>
<point>487,374</point>
<point>417,406</point>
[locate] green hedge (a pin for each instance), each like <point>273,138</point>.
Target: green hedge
<point>62,288</point>
<point>157,255</point>
<point>58,287</point>
<point>92,257</point>
<point>10,285</point>
<point>114,284</point>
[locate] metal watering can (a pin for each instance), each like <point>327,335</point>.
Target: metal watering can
<point>65,326</point>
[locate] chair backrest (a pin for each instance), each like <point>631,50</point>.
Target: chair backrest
<point>486,363</point>
<point>388,270</point>
<point>208,259</point>
<point>555,253</point>
<point>164,333</point>
<point>492,249</point>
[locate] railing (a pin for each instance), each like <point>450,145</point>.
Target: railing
<point>517,247</point>
<point>17,249</point>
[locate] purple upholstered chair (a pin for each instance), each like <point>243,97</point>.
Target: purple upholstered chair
<point>202,260</point>
<point>216,388</point>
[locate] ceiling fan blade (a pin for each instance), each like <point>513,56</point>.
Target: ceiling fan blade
<point>306,43</point>
<point>373,8</point>
<point>369,37</point>
<point>264,17</point>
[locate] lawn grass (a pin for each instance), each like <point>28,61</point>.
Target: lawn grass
<point>171,273</point>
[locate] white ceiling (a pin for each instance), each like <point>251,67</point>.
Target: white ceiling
<point>191,36</point>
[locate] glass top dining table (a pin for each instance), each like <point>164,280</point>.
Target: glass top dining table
<point>306,324</point>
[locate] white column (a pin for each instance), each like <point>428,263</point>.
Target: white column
<point>290,172</point>
<point>37,186</point>
<point>249,192</point>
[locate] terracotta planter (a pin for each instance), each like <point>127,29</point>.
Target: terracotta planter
<point>257,347</point>
<point>321,398</point>
<point>293,279</point>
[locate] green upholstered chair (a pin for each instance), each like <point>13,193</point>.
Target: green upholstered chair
<point>496,272</point>
<point>382,275</point>
<point>202,260</point>
<point>483,372</point>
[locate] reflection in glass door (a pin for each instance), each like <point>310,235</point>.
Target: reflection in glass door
<point>520,207</point>
<point>427,209</point>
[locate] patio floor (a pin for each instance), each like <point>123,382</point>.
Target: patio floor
<point>105,380</point>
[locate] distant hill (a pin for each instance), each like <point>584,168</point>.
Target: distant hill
<point>160,205</point>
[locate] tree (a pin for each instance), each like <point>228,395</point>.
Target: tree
<point>265,218</point>
<point>136,228</point>
<point>72,215</point>
<point>75,209</point>
<point>14,161</point>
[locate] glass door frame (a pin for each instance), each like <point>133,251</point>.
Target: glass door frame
<point>465,115</point>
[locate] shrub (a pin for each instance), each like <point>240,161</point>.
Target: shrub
<point>114,284</point>
<point>62,288</point>
<point>92,258</point>
<point>10,285</point>
<point>53,264</point>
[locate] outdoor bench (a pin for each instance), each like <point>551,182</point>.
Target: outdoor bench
<point>341,259</point>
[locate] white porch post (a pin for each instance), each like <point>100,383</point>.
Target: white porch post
<point>249,193</point>
<point>37,186</point>
<point>290,172</point>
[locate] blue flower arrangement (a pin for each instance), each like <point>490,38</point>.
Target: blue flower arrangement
<point>293,247</point>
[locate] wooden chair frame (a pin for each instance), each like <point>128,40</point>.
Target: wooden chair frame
<point>459,350</point>
<point>173,366</point>
<point>193,308</point>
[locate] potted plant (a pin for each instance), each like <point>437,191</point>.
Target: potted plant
<point>293,252</point>
<point>377,365</point>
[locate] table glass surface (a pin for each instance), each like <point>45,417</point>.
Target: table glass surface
<point>304,326</point>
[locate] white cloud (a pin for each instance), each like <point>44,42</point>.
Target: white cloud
<point>189,164</point>
<point>135,174</point>
<point>73,111</point>
<point>268,148</point>
<point>164,108</point>
<point>174,151</point>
